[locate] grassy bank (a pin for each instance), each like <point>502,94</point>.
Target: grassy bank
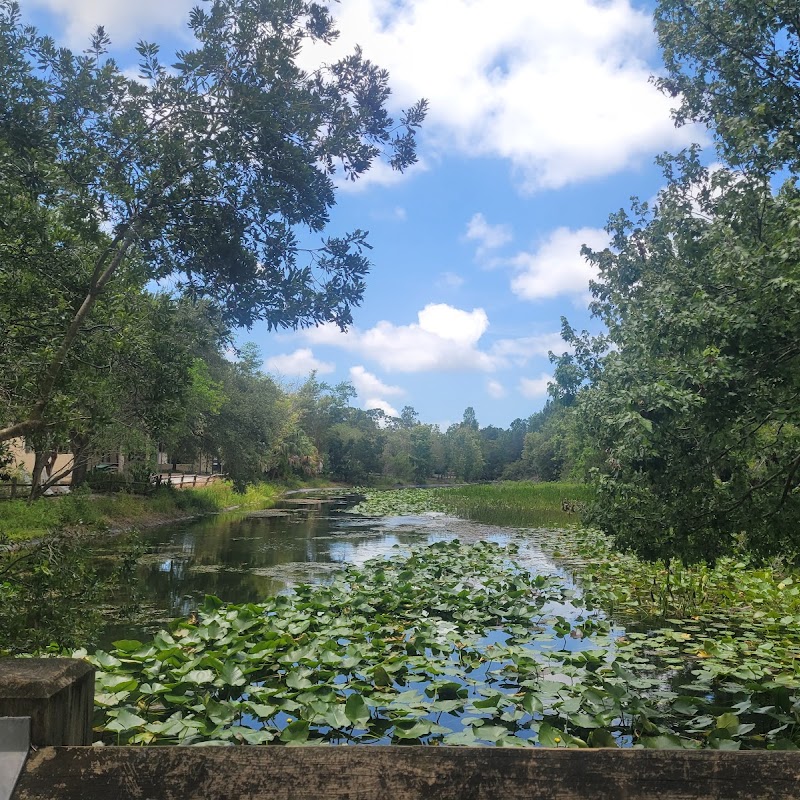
<point>20,520</point>
<point>517,502</point>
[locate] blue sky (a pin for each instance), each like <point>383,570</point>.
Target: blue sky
<point>542,122</point>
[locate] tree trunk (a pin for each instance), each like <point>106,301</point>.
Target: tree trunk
<point>80,452</point>
<point>42,466</point>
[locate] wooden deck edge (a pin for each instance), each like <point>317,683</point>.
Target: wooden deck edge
<point>405,773</point>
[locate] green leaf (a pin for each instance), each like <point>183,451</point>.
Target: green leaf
<point>548,736</point>
<point>296,680</point>
<point>232,675</point>
<point>336,718</point>
<point>220,713</point>
<point>729,722</point>
<point>412,729</point>
<point>199,676</point>
<point>602,738</point>
<point>128,645</point>
<point>295,732</point>
<point>356,709</point>
<point>662,742</point>
<point>532,703</point>
<point>262,710</point>
<point>125,720</point>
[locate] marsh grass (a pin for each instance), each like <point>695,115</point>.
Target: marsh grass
<point>517,502</point>
<point>20,520</point>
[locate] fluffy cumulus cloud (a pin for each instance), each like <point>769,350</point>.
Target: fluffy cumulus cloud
<point>496,389</point>
<point>443,338</point>
<point>387,408</point>
<point>535,387</point>
<point>125,22</point>
<point>298,363</point>
<point>559,89</point>
<point>557,267</point>
<point>488,237</point>
<point>518,352</point>
<point>369,385</point>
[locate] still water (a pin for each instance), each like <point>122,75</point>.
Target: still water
<point>247,556</point>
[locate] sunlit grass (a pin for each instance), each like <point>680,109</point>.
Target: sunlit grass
<point>517,502</point>
<point>21,520</point>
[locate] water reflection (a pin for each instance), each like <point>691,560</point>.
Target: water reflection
<point>248,557</point>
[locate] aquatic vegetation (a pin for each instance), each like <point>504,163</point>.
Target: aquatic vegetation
<point>396,502</point>
<point>517,502</point>
<point>451,644</point>
<point>506,503</point>
<point>461,643</point>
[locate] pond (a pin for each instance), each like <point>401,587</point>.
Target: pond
<point>244,557</point>
<point>408,625</point>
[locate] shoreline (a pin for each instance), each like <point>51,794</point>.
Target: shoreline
<point>118,514</point>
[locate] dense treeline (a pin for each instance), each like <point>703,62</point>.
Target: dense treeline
<point>258,429</point>
<point>159,373</point>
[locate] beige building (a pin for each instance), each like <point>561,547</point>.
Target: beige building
<point>24,458</point>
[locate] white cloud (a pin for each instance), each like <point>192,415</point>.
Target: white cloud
<point>450,280</point>
<point>367,384</point>
<point>520,351</point>
<point>557,266</point>
<point>299,363</point>
<point>489,237</point>
<point>496,389</point>
<point>387,408</point>
<point>453,324</point>
<point>125,22</point>
<point>535,387</point>
<point>444,338</point>
<point>559,89</point>
<point>371,390</point>
<point>379,174</point>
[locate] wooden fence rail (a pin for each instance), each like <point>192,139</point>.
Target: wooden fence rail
<point>10,490</point>
<point>365,772</point>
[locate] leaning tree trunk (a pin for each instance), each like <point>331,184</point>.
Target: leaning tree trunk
<point>42,459</point>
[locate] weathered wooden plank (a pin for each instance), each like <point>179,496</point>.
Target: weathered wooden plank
<point>56,693</point>
<point>405,773</point>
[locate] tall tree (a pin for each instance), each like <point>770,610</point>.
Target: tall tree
<point>127,370</point>
<point>735,66</point>
<point>253,421</point>
<point>463,450</point>
<point>206,171</point>
<point>694,399</point>
<point>696,407</point>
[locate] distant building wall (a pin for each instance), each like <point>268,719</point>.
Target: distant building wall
<point>25,457</point>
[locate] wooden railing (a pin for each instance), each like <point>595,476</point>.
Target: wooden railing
<point>10,490</point>
<point>56,695</point>
<point>181,480</point>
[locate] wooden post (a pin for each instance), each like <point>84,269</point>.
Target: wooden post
<point>13,488</point>
<point>56,693</point>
